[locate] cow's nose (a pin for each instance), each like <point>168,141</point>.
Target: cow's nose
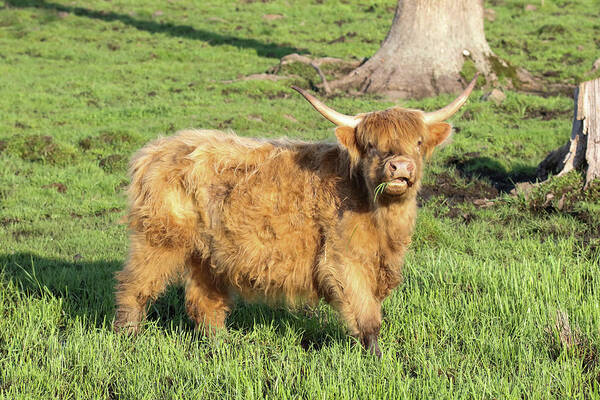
<point>400,169</point>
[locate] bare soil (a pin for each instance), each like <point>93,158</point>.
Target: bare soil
<point>454,192</point>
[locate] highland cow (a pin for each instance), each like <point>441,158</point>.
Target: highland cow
<point>279,220</point>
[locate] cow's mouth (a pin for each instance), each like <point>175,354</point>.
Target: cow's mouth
<point>398,186</point>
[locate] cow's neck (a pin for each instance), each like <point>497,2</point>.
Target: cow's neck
<point>395,220</point>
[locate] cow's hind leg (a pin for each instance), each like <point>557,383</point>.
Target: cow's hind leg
<point>145,276</point>
<point>206,297</point>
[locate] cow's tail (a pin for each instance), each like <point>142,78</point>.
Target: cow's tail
<point>159,206</point>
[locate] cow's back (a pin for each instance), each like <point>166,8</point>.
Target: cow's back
<point>254,208</point>
<point>264,216</point>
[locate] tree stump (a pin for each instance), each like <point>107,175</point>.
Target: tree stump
<point>424,51</point>
<point>583,149</point>
<point>433,47</point>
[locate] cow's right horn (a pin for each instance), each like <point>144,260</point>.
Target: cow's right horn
<point>448,111</point>
<point>337,118</point>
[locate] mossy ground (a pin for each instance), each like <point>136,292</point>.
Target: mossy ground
<point>83,84</point>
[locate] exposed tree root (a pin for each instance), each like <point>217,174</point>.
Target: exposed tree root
<point>253,77</point>
<point>315,72</point>
<point>337,75</point>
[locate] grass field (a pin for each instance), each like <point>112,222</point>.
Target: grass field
<point>85,83</point>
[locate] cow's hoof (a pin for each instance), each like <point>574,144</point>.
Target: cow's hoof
<point>124,323</point>
<point>374,349</point>
<point>130,329</point>
<point>370,344</point>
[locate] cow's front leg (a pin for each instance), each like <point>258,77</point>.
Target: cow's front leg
<point>359,308</point>
<point>369,341</point>
<point>364,322</point>
<point>368,324</point>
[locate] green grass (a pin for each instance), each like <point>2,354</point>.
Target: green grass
<point>83,84</point>
<point>379,190</point>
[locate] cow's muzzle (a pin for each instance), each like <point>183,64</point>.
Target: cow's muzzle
<point>400,175</point>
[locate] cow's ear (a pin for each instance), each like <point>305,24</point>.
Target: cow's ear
<point>438,133</point>
<point>347,138</point>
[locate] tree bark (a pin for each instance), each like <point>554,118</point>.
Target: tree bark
<point>591,127</point>
<point>424,52</point>
<point>583,149</point>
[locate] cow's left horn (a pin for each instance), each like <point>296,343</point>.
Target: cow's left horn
<point>448,111</point>
<point>337,118</point>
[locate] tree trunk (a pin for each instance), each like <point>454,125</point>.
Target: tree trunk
<point>591,127</point>
<point>583,149</point>
<point>425,50</point>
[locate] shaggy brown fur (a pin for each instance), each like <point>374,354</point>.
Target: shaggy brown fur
<point>275,220</point>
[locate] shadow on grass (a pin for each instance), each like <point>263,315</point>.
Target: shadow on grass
<point>268,50</point>
<point>85,287</point>
<point>87,291</point>
<point>315,333</point>
<point>473,166</point>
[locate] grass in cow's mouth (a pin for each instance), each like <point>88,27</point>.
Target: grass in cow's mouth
<point>81,85</point>
<point>379,189</point>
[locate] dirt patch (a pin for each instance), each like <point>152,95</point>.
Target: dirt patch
<point>546,115</point>
<point>60,187</point>
<point>99,213</point>
<point>455,193</point>
<point>7,221</point>
<point>467,115</point>
<point>277,95</point>
<point>122,185</point>
<point>22,234</point>
<point>225,124</point>
<point>551,30</point>
<point>113,163</point>
<point>39,148</point>
<point>457,213</point>
<point>231,91</point>
<point>565,193</point>
<point>571,59</point>
<point>107,211</point>
<point>108,139</point>
<point>21,125</point>
<point>551,74</point>
<point>343,38</point>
